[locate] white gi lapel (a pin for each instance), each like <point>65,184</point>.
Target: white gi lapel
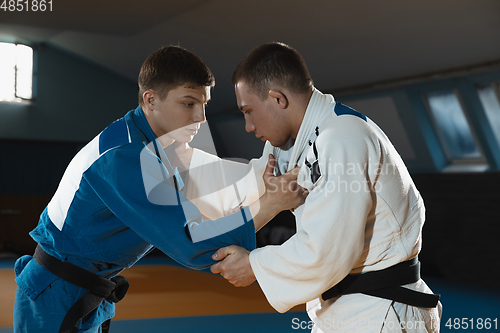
<point>317,109</point>
<point>313,172</point>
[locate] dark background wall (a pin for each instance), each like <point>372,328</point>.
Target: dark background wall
<point>75,99</point>
<point>460,236</point>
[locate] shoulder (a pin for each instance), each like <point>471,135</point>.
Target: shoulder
<point>347,131</point>
<point>343,126</point>
<point>115,135</point>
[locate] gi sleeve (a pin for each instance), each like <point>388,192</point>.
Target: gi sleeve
<point>139,191</point>
<point>330,224</point>
<point>216,185</point>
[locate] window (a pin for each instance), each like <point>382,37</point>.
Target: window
<point>16,72</point>
<point>453,128</point>
<point>489,96</point>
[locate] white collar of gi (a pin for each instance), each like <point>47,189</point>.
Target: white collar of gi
<point>317,109</point>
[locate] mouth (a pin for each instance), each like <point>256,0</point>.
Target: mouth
<point>192,131</point>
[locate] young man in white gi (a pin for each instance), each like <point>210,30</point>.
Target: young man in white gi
<point>361,223</point>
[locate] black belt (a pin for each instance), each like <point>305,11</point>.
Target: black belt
<point>100,288</point>
<point>386,283</point>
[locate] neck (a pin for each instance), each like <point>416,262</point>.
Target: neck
<point>180,146</point>
<point>301,105</point>
<point>164,139</point>
<point>182,154</point>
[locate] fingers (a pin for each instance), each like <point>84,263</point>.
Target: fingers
<point>269,172</point>
<point>292,174</point>
<point>304,192</point>
<point>232,210</point>
<point>294,171</point>
<point>223,252</point>
<point>290,179</point>
<point>235,267</point>
<point>216,268</point>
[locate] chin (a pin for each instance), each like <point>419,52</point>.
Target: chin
<point>280,144</point>
<point>284,144</point>
<point>186,139</point>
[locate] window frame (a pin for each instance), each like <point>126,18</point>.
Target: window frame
<point>496,91</point>
<point>456,163</point>
<point>18,100</point>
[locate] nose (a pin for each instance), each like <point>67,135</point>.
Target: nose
<point>199,115</point>
<point>249,127</point>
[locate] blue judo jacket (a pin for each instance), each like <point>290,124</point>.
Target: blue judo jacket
<point>102,219</point>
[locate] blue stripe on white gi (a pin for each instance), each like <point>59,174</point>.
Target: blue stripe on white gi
<point>341,109</point>
<point>115,135</point>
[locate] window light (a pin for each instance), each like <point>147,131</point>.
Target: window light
<point>452,126</point>
<point>16,72</point>
<point>490,100</point>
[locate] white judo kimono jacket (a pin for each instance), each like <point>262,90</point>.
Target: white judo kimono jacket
<point>363,213</point>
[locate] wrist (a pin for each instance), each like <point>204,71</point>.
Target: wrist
<point>268,206</point>
<point>262,211</point>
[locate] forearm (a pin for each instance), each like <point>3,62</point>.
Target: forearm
<point>262,212</point>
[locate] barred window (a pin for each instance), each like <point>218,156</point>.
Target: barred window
<point>490,98</point>
<point>452,126</point>
<point>16,72</point>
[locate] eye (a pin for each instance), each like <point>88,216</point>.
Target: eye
<point>188,104</point>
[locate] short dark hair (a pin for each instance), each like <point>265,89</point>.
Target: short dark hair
<point>273,64</point>
<point>170,67</point>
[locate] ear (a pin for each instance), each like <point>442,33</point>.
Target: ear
<point>279,97</point>
<point>149,99</point>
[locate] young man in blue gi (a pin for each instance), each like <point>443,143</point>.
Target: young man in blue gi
<point>120,197</point>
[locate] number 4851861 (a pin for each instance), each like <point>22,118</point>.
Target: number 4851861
<point>472,323</point>
<point>26,5</point>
